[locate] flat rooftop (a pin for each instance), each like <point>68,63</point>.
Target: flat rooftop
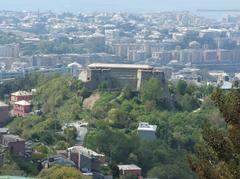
<point>128,167</point>
<point>85,151</point>
<point>124,66</point>
<point>21,93</point>
<point>4,130</point>
<point>144,126</point>
<point>12,138</point>
<point>2,104</point>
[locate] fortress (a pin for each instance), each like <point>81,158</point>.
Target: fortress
<point>117,76</point>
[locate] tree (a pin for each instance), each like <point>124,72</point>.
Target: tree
<point>152,90</point>
<point>58,172</point>
<point>150,106</point>
<point>70,134</point>
<point>219,154</point>
<point>168,171</point>
<point>127,92</point>
<point>182,87</point>
<point>62,145</point>
<point>189,103</point>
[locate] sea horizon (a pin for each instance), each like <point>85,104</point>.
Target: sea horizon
<point>133,6</point>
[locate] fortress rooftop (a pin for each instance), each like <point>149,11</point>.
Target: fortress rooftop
<point>126,66</point>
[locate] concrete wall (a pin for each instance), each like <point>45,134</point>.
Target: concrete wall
<point>131,172</point>
<point>88,162</point>
<point>147,135</point>
<point>97,77</point>
<point>119,78</point>
<point>74,156</point>
<point>144,75</point>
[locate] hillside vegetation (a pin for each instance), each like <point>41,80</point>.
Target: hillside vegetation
<point>113,122</point>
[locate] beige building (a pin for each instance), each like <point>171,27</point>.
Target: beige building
<point>135,55</point>
<point>10,50</point>
<point>122,49</point>
<point>117,76</point>
<point>185,55</point>
<point>236,56</point>
<point>164,56</point>
<point>196,56</point>
<point>210,55</point>
<point>225,55</point>
<point>45,60</point>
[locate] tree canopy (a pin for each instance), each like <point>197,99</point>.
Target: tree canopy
<point>58,172</point>
<point>113,122</point>
<point>218,156</point>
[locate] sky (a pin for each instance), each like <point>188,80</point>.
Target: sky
<point>117,5</point>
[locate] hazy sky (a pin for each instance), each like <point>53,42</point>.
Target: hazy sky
<point>117,5</point>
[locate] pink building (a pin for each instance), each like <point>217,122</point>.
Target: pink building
<point>21,95</point>
<point>21,108</point>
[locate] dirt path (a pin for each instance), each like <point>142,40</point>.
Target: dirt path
<point>89,102</point>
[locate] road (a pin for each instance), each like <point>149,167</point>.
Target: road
<point>82,132</point>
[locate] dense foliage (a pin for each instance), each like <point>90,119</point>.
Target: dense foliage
<point>175,108</point>
<point>113,132</point>
<point>27,83</point>
<point>61,173</point>
<point>58,100</point>
<point>218,156</point>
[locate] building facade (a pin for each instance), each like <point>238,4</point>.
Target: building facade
<point>118,76</point>
<point>10,50</point>
<point>147,131</point>
<point>128,170</point>
<point>4,113</point>
<point>86,160</point>
<point>21,108</point>
<point>14,143</point>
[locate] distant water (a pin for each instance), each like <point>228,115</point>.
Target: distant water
<point>216,15</point>
<point>120,5</point>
